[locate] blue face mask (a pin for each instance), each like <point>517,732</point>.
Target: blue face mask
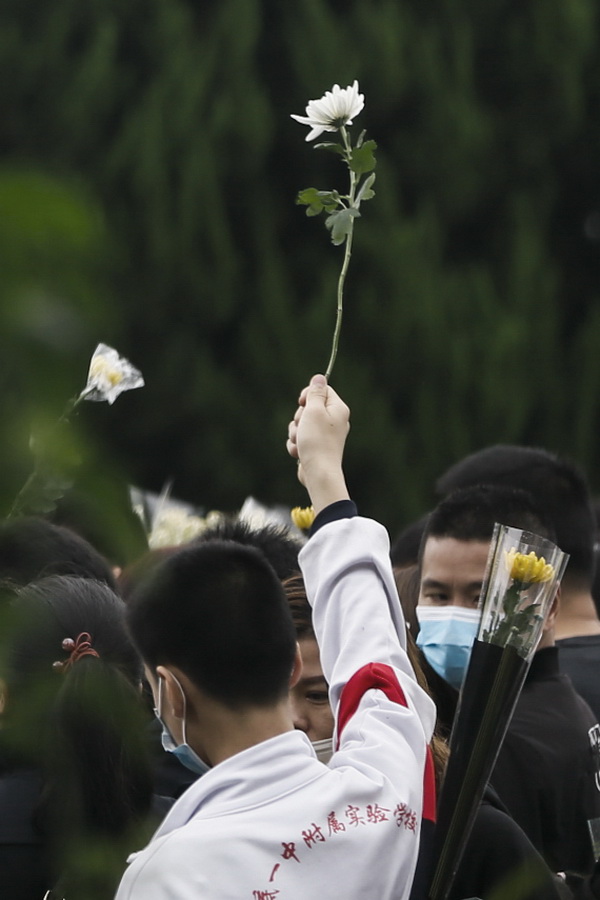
<point>184,753</point>
<point>446,635</point>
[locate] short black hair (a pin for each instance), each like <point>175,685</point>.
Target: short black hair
<point>219,613</point>
<point>300,608</point>
<point>276,542</point>
<point>559,486</point>
<point>32,548</point>
<point>470,514</point>
<point>405,546</point>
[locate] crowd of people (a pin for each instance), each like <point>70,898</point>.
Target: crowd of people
<point>255,715</point>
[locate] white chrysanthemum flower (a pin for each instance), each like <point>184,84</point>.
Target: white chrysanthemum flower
<point>336,107</point>
<point>110,375</point>
<point>175,526</point>
<point>256,515</point>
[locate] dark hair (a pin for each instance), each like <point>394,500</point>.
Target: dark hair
<point>81,725</point>
<point>406,544</point>
<point>31,548</point>
<point>218,612</point>
<point>596,580</point>
<point>133,575</point>
<point>470,514</point>
<point>276,542</point>
<point>559,486</point>
<point>408,584</point>
<point>300,608</point>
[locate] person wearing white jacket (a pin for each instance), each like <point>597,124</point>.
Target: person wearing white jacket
<point>268,821</point>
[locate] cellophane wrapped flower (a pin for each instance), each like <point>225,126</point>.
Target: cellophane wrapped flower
<point>521,581</point>
<point>54,463</point>
<point>523,574</point>
<point>110,375</point>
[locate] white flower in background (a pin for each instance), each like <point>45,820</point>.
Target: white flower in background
<point>174,526</point>
<point>109,375</point>
<point>336,107</point>
<point>256,515</point>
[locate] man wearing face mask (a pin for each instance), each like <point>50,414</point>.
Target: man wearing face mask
<point>547,770</point>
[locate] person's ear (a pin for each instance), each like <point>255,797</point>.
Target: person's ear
<point>172,693</point>
<point>3,695</point>
<point>297,667</point>
<point>553,612</point>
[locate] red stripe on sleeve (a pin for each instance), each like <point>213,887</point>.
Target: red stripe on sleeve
<point>429,792</point>
<point>373,675</point>
<point>378,676</point>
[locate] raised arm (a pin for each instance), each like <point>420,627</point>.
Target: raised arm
<point>316,438</point>
<point>347,571</point>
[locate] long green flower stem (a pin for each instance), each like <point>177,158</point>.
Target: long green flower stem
<point>345,264</point>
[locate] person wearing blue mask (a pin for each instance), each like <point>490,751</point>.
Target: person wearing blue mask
<point>182,751</point>
<point>448,611</point>
<point>547,769</point>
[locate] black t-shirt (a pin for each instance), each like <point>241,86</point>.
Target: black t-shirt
<point>500,861</point>
<point>547,770</point>
<point>579,658</point>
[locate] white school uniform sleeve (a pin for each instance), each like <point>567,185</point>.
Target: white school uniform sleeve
<point>382,715</point>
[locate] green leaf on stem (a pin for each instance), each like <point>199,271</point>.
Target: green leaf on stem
<point>333,148</point>
<point>365,192</point>
<point>340,224</point>
<point>317,201</point>
<point>362,158</point>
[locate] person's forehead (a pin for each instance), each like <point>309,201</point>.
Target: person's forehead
<point>448,560</point>
<point>311,661</point>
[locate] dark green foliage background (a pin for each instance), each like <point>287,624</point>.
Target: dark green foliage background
<point>149,169</point>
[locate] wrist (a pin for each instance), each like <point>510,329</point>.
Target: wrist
<point>325,488</point>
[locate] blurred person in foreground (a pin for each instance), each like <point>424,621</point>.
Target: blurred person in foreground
<point>75,785</point>
<point>215,631</point>
<point>32,547</point>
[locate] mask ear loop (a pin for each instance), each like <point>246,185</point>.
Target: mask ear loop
<point>183,728</point>
<point>158,707</point>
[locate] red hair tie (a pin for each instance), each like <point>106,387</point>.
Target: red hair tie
<point>78,648</point>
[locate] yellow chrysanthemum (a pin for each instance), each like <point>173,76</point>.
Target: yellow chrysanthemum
<point>303,517</point>
<point>528,568</point>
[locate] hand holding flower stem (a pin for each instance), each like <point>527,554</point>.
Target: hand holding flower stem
<point>346,262</point>
<point>333,112</point>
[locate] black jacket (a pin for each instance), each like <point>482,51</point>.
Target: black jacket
<point>547,771</point>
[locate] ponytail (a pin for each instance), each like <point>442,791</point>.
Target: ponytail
<point>97,775</point>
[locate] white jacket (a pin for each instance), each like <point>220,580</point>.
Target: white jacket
<point>272,822</point>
